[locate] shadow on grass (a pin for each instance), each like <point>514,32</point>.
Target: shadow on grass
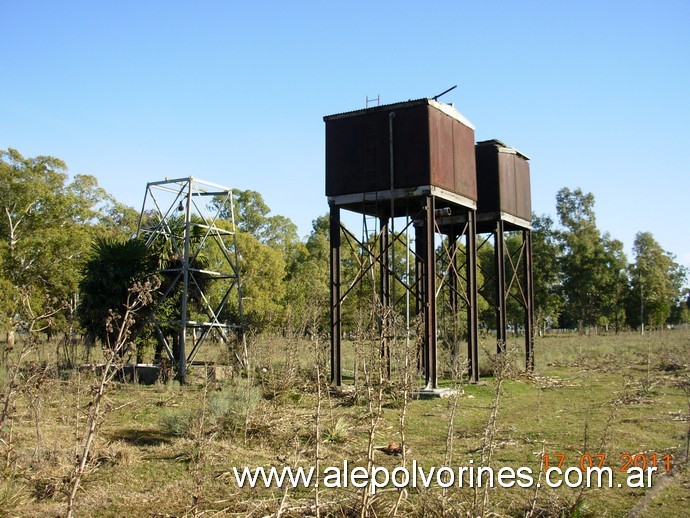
<point>141,437</point>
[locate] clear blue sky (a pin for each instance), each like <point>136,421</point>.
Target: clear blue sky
<point>597,93</point>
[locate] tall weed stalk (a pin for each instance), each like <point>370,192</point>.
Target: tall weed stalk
<point>120,327</point>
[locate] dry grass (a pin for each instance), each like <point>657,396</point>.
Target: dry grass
<point>618,394</point>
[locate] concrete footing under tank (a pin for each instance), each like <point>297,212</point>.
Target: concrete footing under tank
<point>425,393</point>
<point>436,393</point>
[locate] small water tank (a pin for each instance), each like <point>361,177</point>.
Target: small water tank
<point>503,183</point>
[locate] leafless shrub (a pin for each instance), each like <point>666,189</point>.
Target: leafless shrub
<point>277,369</point>
<point>119,326</point>
<point>201,441</point>
<point>672,359</point>
<point>578,506</point>
<point>17,378</point>
<point>503,367</point>
<point>374,372</point>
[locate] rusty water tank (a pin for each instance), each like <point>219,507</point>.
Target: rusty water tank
<point>503,182</point>
<point>430,144</point>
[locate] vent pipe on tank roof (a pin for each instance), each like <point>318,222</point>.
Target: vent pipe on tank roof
<point>444,92</point>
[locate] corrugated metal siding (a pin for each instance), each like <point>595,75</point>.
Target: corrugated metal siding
<point>441,150</point>
<point>522,189</point>
<point>465,161</point>
<point>506,181</point>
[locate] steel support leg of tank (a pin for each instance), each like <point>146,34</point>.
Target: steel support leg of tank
<point>336,306</point>
<point>420,286</point>
<point>384,316</point>
<point>429,300</point>
<point>472,310</point>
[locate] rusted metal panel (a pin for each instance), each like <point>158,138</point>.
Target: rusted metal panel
<point>503,180</point>
<point>411,142</point>
<point>441,150</point>
<point>464,160</point>
<point>522,189</point>
<point>432,144</point>
<point>506,182</point>
<point>344,154</point>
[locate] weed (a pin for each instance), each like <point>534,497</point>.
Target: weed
<point>176,423</point>
<point>115,454</point>
<point>232,408</point>
<point>13,496</point>
<point>337,433</point>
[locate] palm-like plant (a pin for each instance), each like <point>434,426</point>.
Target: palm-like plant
<point>112,269</point>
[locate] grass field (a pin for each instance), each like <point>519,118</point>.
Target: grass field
<point>169,450</point>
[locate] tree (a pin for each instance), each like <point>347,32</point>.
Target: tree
<point>487,286</point>
<point>586,261</point>
<point>269,249</point>
<point>262,274</point>
<point>515,310</point>
<point>251,212</point>
<point>307,290</point>
<point>614,283</point>
<point>548,302</point>
<point>513,263</point>
<point>680,313</point>
<point>210,275</point>
<point>45,231</point>
<point>118,220</point>
<point>252,217</point>
<point>656,282</point>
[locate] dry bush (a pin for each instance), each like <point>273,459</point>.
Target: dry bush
<point>231,409</point>
<point>278,368</point>
<point>557,506</point>
<point>49,487</point>
<point>177,422</point>
<point>672,359</point>
<point>118,343</point>
<point>230,412</point>
<point>115,453</point>
<point>13,497</point>
<point>503,366</point>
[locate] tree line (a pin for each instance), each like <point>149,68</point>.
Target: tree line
<point>583,278</point>
<point>53,229</point>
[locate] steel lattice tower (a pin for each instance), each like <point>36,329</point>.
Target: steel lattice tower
<point>202,293</point>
